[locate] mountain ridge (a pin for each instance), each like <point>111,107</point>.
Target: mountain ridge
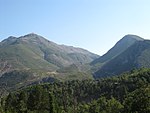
<point>34,51</point>
<point>135,56</point>
<point>118,48</point>
<point>127,40</point>
<point>33,59</point>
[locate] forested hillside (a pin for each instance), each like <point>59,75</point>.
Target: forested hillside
<point>127,93</point>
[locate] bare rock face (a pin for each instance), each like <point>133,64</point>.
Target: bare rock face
<point>4,67</point>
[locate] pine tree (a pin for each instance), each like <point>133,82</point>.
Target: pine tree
<point>51,103</point>
<point>11,103</point>
<point>22,102</point>
<point>35,97</point>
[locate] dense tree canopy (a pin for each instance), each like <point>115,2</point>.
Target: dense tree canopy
<point>128,93</point>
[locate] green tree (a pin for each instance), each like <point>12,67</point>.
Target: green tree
<point>34,100</point>
<point>102,105</point>
<point>11,103</point>
<point>22,102</point>
<point>138,101</point>
<point>51,103</point>
<point>114,106</point>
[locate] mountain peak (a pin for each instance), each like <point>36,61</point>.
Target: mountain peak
<point>35,52</point>
<point>134,57</point>
<point>135,37</point>
<point>32,37</point>
<point>118,48</point>
<point>31,34</point>
<point>10,38</point>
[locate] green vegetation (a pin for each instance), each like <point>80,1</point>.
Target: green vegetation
<point>22,78</point>
<point>128,93</point>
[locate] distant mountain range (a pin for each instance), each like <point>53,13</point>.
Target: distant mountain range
<point>32,58</point>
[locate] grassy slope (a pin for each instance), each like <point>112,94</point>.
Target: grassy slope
<point>20,56</point>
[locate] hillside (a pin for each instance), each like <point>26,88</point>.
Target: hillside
<point>32,59</point>
<point>118,48</point>
<point>136,56</point>
<point>35,52</point>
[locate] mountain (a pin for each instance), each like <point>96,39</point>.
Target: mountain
<point>119,47</point>
<point>35,52</point>
<point>135,56</point>
<point>32,59</point>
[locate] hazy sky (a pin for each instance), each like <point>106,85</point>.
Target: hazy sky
<point>95,25</point>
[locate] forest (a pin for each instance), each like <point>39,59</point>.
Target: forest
<point>126,93</point>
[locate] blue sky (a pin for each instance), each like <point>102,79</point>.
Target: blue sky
<point>95,25</point>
